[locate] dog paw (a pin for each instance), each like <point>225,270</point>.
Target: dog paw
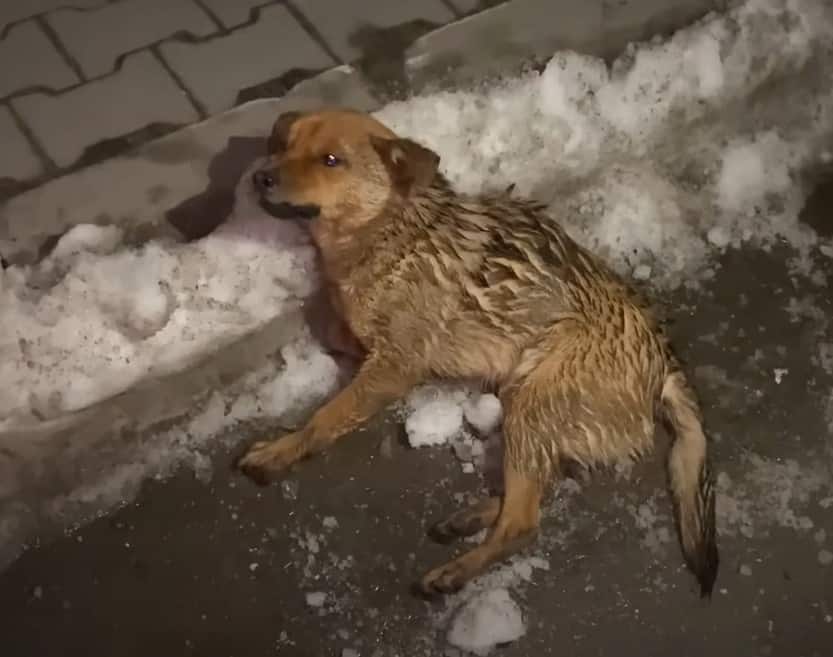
<point>449,578</point>
<point>265,461</point>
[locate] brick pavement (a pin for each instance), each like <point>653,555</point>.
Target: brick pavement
<point>81,80</point>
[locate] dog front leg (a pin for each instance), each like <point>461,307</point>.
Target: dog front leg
<point>377,384</point>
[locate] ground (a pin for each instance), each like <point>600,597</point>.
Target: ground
<point>203,562</point>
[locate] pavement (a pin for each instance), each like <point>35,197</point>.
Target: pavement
<point>97,91</point>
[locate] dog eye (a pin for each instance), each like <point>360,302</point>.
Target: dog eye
<point>331,160</point>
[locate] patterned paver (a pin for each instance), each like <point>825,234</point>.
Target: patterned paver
<point>232,13</point>
<point>140,94</point>
<point>95,39</point>
<point>29,59</point>
<point>216,70</point>
<point>17,158</point>
<point>12,11</point>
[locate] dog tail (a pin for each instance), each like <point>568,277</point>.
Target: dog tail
<point>692,485</point>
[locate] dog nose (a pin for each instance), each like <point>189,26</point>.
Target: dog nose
<point>264,179</point>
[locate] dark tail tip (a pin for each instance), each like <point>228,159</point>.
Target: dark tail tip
<point>706,569</point>
<point>706,560</point>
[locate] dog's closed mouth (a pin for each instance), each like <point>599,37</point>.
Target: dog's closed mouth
<point>289,210</point>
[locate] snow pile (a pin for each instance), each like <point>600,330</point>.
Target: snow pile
<point>96,316</point>
<point>439,413</point>
<point>302,377</point>
<point>488,619</point>
<point>483,615</point>
<point>484,413</point>
<point>316,599</point>
<point>681,149</point>
<point>457,415</point>
<point>434,421</point>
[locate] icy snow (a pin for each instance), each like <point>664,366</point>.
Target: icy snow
<point>434,423</point>
<point>316,599</point>
<point>483,413</point>
<point>96,317</point>
<point>487,620</point>
<point>483,614</point>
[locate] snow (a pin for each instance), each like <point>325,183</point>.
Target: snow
<point>96,316</point>
<point>437,414</point>
<point>487,620</point>
<point>484,413</point>
<point>434,423</point>
<point>307,368</point>
<point>316,599</point>
<point>483,614</point>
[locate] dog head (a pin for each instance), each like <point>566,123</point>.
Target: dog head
<point>340,169</point>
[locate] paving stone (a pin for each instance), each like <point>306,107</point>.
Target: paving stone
<point>217,69</point>
<point>17,159</point>
<point>96,38</point>
<point>139,94</point>
<point>28,59</point>
<point>338,22</point>
<point>15,10</point>
<point>233,13</point>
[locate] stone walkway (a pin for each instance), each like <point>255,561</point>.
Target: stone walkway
<point>82,80</point>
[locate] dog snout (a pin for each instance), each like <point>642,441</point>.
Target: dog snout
<point>264,180</point>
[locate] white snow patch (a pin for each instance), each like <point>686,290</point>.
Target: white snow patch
<point>752,169</point>
<point>487,620</point>
<point>434,423</point>
<point>93,319</point>
<point>308,373</point>
<point>316,599</point>
<point>483,614</point>
<point>87,237</point>
<point>483,413</point>
<point>435,413</point>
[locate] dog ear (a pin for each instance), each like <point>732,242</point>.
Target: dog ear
<point>410,164</point>
<point>280,131</point>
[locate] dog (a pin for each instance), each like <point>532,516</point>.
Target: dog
<point>433,284</point>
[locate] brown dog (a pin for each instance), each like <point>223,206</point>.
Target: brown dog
<point>435,284</point>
